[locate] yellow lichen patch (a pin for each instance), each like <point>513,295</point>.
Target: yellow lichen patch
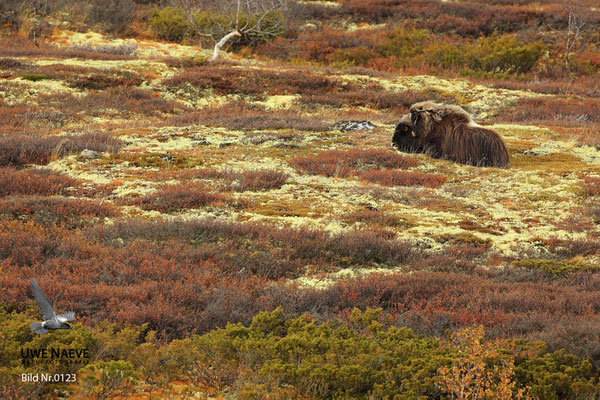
<point>588,154</point>
<point>279,101</point>
<point>324,280</point>
<point>462,238</point>
<point>197,98</point>
<point>25,91</point>
<point>469,225</point>
<point>141,67</point>
<point>327,3</point>
<point>288,207</point>
<point>557,163</point>
<point>446,204</point>
<point>145,48</point>
<point>521,131</point>
<point>73,167</point>
<point>123,133</point>
<point>519,146</point>
<point>153,160</point>
<point>351,27</point>
<point>133,188</point>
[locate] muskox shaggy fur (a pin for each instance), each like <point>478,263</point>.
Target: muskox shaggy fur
<point>447,131</point>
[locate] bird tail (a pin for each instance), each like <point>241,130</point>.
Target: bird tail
<point>38,328</point>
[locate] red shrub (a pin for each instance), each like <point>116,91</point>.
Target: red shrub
<point>431,302</point>
<point>403,178</point>
<point>114,101</point>
<point>241,116</point>
<point>309,246</point>
<point>341,164</point>
<point>34,181</point>
<point>591,186</point>
<point>227,80</point>
<point>31,148</point>
<point>568,248</point>
<point>19,149</point>
<point>72,213</point>
<point>254,180</point>
<point>172,198</point>
<point>102,81</point>
<point>452,24</point>
<point>376,10</point>
<point>554,111</point>
<point>196,269</point>
<point>17,116</point>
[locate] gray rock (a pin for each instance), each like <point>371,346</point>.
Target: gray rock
<point>90,153</point>
<point>286,145</point>
<point>347,126</point>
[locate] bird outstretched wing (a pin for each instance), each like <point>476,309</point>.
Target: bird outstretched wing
<point>42,300</point>
<point>64,317</point>
<point>38,328</point>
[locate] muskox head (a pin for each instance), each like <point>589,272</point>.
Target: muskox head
<point>423,116</point>
<point>404,137</point>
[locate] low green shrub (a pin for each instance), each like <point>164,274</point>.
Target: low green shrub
<point>404,43</point>
<point>34,77</point>
<point>556,268</point>
<point>169,23</point>
<point>363,356</point>
<point>360,55</point>
<point>502,54</point>
<point>367,357</point>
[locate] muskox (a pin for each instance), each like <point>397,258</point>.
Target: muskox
<point>447,131</point>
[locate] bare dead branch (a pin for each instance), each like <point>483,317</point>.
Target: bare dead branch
<point>233,18</point>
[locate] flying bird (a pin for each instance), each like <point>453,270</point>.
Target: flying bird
<point>51,320</point>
